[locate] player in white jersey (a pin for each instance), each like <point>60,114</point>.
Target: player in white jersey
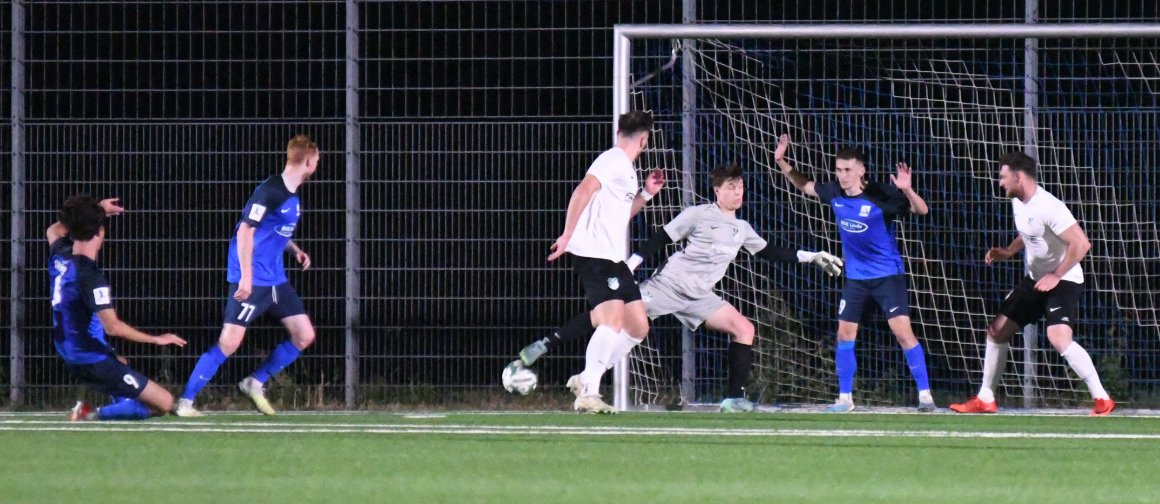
<point>1053,244</point>
<point>684,286</point>
<point>596,234</point>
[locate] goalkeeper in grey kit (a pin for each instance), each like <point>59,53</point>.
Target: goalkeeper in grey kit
<point>683,287</point>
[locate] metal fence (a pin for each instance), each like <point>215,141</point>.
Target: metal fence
<point>452,133</point>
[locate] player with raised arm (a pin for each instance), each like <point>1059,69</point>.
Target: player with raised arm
<point>683,287</point>
<point>257,280</point>
<point>83,314</point>
<point>596,234</point>
<point>865,212</point>
<point>1053,245</point>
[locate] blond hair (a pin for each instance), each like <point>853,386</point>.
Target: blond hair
<point>299,149</point>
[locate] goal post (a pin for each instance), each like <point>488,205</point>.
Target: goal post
<point>1083,99</point>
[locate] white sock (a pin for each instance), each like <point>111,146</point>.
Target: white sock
<point>994,364</point>
<point>845,398</point>
<point>1081,363</point>
<point>604,341</point>
<point>624,346</point>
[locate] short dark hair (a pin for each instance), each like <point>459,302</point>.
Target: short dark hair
<point>632,123</point>
<point>1019,162</point>
<point>851,153</point>
<point>82,216</point>
<point>724,173</point>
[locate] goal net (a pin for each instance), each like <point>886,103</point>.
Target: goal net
<point>949,105</point>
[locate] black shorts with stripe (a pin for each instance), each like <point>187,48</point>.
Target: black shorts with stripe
<point>1024,305</point>
<point>605,280</point>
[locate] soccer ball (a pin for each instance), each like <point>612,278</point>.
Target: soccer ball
<point>518,379</point>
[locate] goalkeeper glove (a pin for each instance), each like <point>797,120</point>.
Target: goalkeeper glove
<point>633,261</point>
<point>829,263</point>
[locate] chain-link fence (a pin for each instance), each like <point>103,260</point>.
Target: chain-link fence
<point>470,122</point>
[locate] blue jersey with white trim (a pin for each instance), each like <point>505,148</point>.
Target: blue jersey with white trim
<point>273,212</point>
<point>866,224</point>
<point>79,291</point>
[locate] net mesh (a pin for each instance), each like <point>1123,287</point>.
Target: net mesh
<point>949,108</point>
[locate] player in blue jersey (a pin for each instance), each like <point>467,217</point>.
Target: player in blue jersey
<point>865,212</point>
<point>83,314</point>
<point>257,280</point>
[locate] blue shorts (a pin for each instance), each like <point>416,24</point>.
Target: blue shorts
<point>889,292</point>
<point>280,300</point>
<point>111,377</point>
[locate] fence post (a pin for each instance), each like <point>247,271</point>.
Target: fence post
<point>17,264</point>
<point>352,148</point>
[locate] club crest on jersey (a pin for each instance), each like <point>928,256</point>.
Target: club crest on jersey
<point>853,226</point>
<point>864,211</point>
<point>629,197</point>
<point>613,283</point>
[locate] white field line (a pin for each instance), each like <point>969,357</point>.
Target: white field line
<point>768,410</point>
<point>519,430</point>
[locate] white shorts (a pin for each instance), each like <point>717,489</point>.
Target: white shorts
<point>661,299</point>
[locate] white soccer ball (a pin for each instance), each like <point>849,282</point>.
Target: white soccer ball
<point>518,379</point>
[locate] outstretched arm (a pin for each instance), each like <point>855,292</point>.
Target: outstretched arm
<point>902,181</point>
<point>658,241</point>
<point>829,263</point>
<point>795,177</point>
<point>114,326</point>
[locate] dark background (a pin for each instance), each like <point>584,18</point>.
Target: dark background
<point>477,119</point>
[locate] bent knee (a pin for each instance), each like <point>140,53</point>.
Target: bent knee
<point>231,338</point>
<point>303,337</point>
<point>639,332</point>
<point>745,333</point>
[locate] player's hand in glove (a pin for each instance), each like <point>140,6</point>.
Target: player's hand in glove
<point>829,263</point>
<point>633,262</point>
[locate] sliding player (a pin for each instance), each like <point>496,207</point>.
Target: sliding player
<point>83,314</point>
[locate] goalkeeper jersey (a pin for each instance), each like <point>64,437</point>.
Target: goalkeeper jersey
<point>713,240</point>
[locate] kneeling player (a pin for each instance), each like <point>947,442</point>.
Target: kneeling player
<point>82,314</point>
<point>684,286</point>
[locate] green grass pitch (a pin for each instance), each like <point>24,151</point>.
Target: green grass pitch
<point>556,457</point>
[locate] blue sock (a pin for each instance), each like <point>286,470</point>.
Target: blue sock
<point>847,364</point>
<point>917,362</point>
<point>203,372</point>
<point>124,410</point>
<point>282,356</point>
